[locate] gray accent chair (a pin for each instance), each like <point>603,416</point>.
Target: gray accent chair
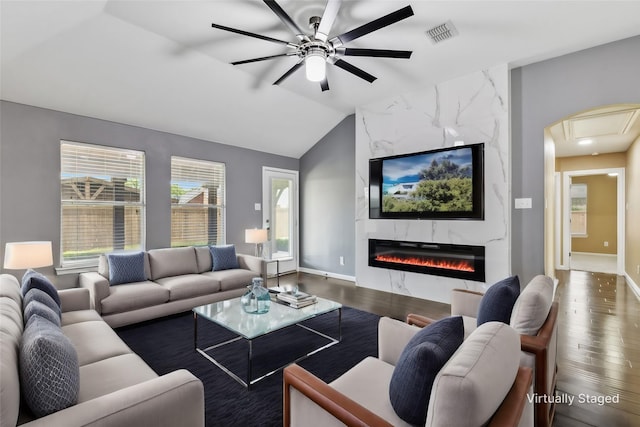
<point>481,384</point>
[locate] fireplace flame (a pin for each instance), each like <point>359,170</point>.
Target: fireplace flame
<point>433,263</point>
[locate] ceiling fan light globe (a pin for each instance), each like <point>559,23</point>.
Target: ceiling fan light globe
<point>315,67</point>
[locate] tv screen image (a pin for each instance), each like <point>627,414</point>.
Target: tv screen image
<point>445,183</point>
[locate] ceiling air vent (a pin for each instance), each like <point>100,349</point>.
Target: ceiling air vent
<point>442,32</point>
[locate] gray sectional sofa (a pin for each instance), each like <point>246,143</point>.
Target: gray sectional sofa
<point>116,387</point>
<point>178,279</point>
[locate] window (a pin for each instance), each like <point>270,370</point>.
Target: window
<point>102,199</point>
<point>578,194</point>
<point>197,202</point>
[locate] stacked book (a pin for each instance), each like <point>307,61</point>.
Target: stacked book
<point>296,300</point>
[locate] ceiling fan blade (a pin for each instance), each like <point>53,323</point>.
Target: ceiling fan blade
<point>262,58</point>
<point>289,72</point>
<point>377,53</point>
<point>354,70</point>
<point>328,18</point>
<point>372,26</point>
<point>286,19</point>
<point>324,84</point>
<point>257,36</point>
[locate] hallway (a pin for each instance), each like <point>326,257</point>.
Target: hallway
<point>598,350</point>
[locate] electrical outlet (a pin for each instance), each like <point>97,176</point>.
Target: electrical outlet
<point>341,260</point>
<point>606,244</point>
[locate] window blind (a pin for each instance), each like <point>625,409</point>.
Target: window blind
<point>197,202</point>
<point>102,200</point>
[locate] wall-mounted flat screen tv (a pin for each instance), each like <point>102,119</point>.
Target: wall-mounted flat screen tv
<point>447,183</point>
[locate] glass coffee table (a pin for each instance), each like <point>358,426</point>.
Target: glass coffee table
<point>230,315</point>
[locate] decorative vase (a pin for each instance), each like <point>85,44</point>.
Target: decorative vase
<point>257,299</point>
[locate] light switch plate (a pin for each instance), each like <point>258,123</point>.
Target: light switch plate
<point>257,206</point>
<point>523,203</point>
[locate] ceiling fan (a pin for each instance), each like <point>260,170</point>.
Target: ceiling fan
<point>316,50</point>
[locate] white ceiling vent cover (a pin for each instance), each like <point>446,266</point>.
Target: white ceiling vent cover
<point>442,32</point>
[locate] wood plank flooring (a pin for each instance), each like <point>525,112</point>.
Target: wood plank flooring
<point>598,338</point>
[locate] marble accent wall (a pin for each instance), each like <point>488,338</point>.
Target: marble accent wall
<point>473,109</point>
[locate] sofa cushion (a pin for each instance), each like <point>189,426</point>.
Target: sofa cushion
<point>94,341</point>
<point>42,297</point>
<point>78,316</point>
<point>34,280</point>
<point>532,306</point>
<point>232,279</point>
<point>126,268</point>
<point>38,308</point>
<point>49,371</point>
<point>103,266</point>
<point>170,262</point>
<point>189,285</point>
<point>419,363</point>
<point>112,374</point>
<point>224,257</point>
<point>203,258</point>
<point>134,296</point>
<point>497,303</point>
<point>476,379</point>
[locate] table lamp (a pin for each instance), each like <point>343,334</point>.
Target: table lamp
<point>24,255</point>
<point>257,236</point>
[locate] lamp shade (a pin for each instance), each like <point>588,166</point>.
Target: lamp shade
<point>255,235</point>
<point>23,255</point>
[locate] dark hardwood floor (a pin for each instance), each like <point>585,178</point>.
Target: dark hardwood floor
<point>598,339</point>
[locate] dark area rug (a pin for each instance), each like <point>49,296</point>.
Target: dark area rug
<point>167,344</point>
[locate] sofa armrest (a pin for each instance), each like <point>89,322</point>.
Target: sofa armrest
<point>418,320</point>
<point>465,302</point>
<point>98,288</point>
<point>393,336</point>
<point>74,299</point>
<point>175,399</point>
<point>510,411</point>
<point>324,398</point>
<point>253,263</point>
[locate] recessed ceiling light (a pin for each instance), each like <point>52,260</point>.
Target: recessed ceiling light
<point>585,142</point>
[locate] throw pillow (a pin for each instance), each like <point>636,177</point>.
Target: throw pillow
<point>419,363</point>
<point>497,303</point>
<point>34,280</point>
<point>224,257</point>
<point>126,268</point>
<point>43,297</point>
<point>49,371</point>
<point>36,307</point>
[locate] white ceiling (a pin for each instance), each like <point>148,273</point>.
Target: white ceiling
<point>610,129</point>
<point>160,65</point>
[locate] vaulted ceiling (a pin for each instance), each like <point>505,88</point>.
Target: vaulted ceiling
<point>160,64</point>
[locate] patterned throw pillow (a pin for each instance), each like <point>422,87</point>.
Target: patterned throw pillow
<point>34,280</point>
<point>497,303</point>
<point>224,257</point>
<point>38,308</point>
<point>419,363</point>
<point>126,268</point>
<point>44,298</point>
<point>49,371</point>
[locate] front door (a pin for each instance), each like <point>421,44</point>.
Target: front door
<point>280,216</point>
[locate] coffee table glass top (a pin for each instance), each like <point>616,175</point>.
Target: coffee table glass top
<point>230,315</point>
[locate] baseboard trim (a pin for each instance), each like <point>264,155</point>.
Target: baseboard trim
<point>634,287</point>
<point>327,274</point>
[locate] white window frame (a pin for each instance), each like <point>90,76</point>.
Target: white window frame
<point>582,189</point>
<point>69,266</point>
<point>219,206</point>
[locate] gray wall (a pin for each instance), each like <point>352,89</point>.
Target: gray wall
<point>30,175</point>
<point>327,202</point>
<point>541,94</point>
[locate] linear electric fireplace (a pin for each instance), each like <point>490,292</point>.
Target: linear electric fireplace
<point>457,261</point>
